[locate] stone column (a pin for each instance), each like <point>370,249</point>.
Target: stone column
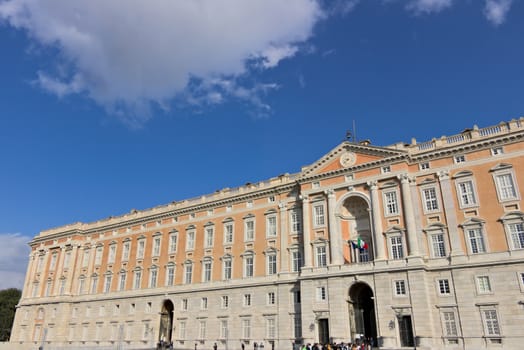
<point>306,231</point>
<point>409,215</point>
<point>449,211</point>
<point>378,241</point>
<point>334,235</point>
<point>284,237</point>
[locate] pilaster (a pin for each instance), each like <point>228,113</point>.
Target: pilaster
<point>449,211</point>
<point>409,216</point>
<point>380,252</point>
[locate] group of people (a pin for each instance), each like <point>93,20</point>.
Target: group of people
<point>358,344</point>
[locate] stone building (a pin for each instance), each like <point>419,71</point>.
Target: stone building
<point>413,245</point>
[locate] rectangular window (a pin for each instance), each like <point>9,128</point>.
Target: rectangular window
<point>98,255</point>
<point>107,284</point>
<point>223,329</point>
<point>203,303</point>
<point>153,274</point>
<point>246,328</point>
<point>466,193</point>
<point>62,286</point>
<point>248,266</point>
<point>270,328</point>
<point>443,287</point>
<point>112,254</point>
<point>495,151</point>
<point>48,286</point>
<point>52,264</point>
<point>228,233</point>
<point>430,199</point>
<point>400,288</point>
<point>397,251</point>
<point>296,221</point>
<point>424,166</point>
<point>85,258</point>
<point>170,275</point>
<point>207,271</point>
<point>249,227</point>
<point>483,284</point>
<point>296,261</point>
<point>491,322</point>
<point>319,218</point>
<point>122,282</point>
<point>94,285</point>
<point>156,246</point>
<point>225,301</point>
<point>141,248</point>
<point>172,242</point>
<point>182,330</point>
<point>67,259</point>
<point>438,245</point>
<point>227,269</point>
<point>210,233</point>
<point>190,243</point>
<point>183,305</point>
<point>459,159</point>
<point>138,280</point>
<point>81,285</point>
<point>321,293</point>
<point>476,240</point>
<point>271,226</point>
<point>386,169</point>
<point>517,235</point>
<point>506,187</point>
<point>391,203</point>
<point>271,264</point>
<point>449,324</point>
<point>125,252</point>
<point>188,276</point>
<point>247,299</point>
<point>271,298</point>
<point>321,256</point>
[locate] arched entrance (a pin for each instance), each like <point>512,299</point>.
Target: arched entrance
<point>166,322</point>
<point>356,225</point>
<point>362,311</point>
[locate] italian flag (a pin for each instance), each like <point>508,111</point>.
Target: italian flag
<point>361,244</point>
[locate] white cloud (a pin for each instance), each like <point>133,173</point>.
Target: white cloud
<point>13,261</point>
<point>340,7</point>
<point>425,7</point>
<point>496,11</point>
<point>129,55</point>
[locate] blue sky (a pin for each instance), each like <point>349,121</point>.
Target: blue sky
<point>110,106</point>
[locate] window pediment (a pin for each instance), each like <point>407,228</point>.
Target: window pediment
<point>394,230</point>
<point>501,166</point>
<point>388,184</point>
<point>463,173</point>
<point>473,222</point>
<point>514,215</point>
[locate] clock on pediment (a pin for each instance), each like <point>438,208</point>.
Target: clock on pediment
<point>347,159</point>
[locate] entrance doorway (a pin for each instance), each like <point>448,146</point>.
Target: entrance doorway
<point>362,312</point>
<point>405,328</point>
<point>323,331</point>
<point>166,322</point>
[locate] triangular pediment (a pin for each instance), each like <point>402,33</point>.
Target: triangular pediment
<point>351,155</point>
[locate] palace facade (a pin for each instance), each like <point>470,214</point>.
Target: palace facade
<point>414,245</point>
